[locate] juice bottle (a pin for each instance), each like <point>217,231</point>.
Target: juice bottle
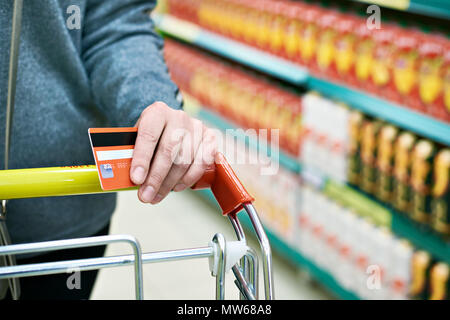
<point>443,113</point>
<point>405,69</point>
<point>440,282</point>
<point>250,23</point>
<point>256,103</point>
<point>278,27</point>
<point>364,59</point>
<point>202,13</point>
<point>231,22</point>
<point>294,25</point>
<point>421,180</point>
<point>235,101</point>
<point>295,127</point>
<point>273,101</point>
<point>431,78</point>
<point>421,265</point>
<point>214,94</point>
<point>369,153</point>
<point>385,163</point>
<point>210,15</point>
<point>197,85</point>
<point>309,36</point>
<point>381,73</point>
<point>402,172</point>
<point>264,24</point>
<point>240,18</point>
<point>440,212</point>
<point>356,121</point>
<point>287,121</point>
<point>326,45</point>
<point>223,17</point>
<point>345,49</point>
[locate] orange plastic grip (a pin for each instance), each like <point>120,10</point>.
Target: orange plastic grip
<point>226,187</point>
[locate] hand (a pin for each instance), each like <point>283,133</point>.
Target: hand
<point>172,152</point>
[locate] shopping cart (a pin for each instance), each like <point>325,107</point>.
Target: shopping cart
<point>223,255</point>
<point>62,181</point>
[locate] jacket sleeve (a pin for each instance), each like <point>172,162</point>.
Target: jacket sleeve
<point>123,57</point>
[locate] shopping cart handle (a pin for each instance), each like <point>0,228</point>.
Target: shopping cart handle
<point>225,185</point>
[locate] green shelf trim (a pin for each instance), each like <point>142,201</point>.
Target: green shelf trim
<point>361,204</point>
<point>290,253</point>
<point>403,117</point>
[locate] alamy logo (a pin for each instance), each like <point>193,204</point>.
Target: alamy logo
<point>374,20</point>
<point>73,22</point>
<point>74,280</point>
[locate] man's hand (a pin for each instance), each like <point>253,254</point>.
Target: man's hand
<point>172,152</point>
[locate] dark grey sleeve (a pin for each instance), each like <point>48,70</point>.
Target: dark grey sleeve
<point>123,57</point>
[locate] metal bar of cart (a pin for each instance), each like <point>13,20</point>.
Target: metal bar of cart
<point>46,268</point>
<point>83,242</point>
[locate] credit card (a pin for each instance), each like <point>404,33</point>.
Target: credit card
<point>113,150</point>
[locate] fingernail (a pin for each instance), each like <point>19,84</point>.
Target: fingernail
<point>138,175</point>
<point>157,199</point>
<point>179,187</point>
<point>148,193</point>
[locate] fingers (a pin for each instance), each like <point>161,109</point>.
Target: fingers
<point>163,159</point>
<point>184,159</point>
<point>150,126</point>
<point>203,159</point>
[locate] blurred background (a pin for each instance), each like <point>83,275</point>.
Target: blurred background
<point>356,102</point>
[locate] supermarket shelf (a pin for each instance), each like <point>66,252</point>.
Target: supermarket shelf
<point>230,49</point>
<point>282,69</point>
<point>407,119</point>
<point>287,251</point>
<point>386,216</point>
<point>214,119</point>
<point>432,8</point>
<point>380,214</point>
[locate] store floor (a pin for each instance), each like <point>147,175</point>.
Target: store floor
<point>183,220</point>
